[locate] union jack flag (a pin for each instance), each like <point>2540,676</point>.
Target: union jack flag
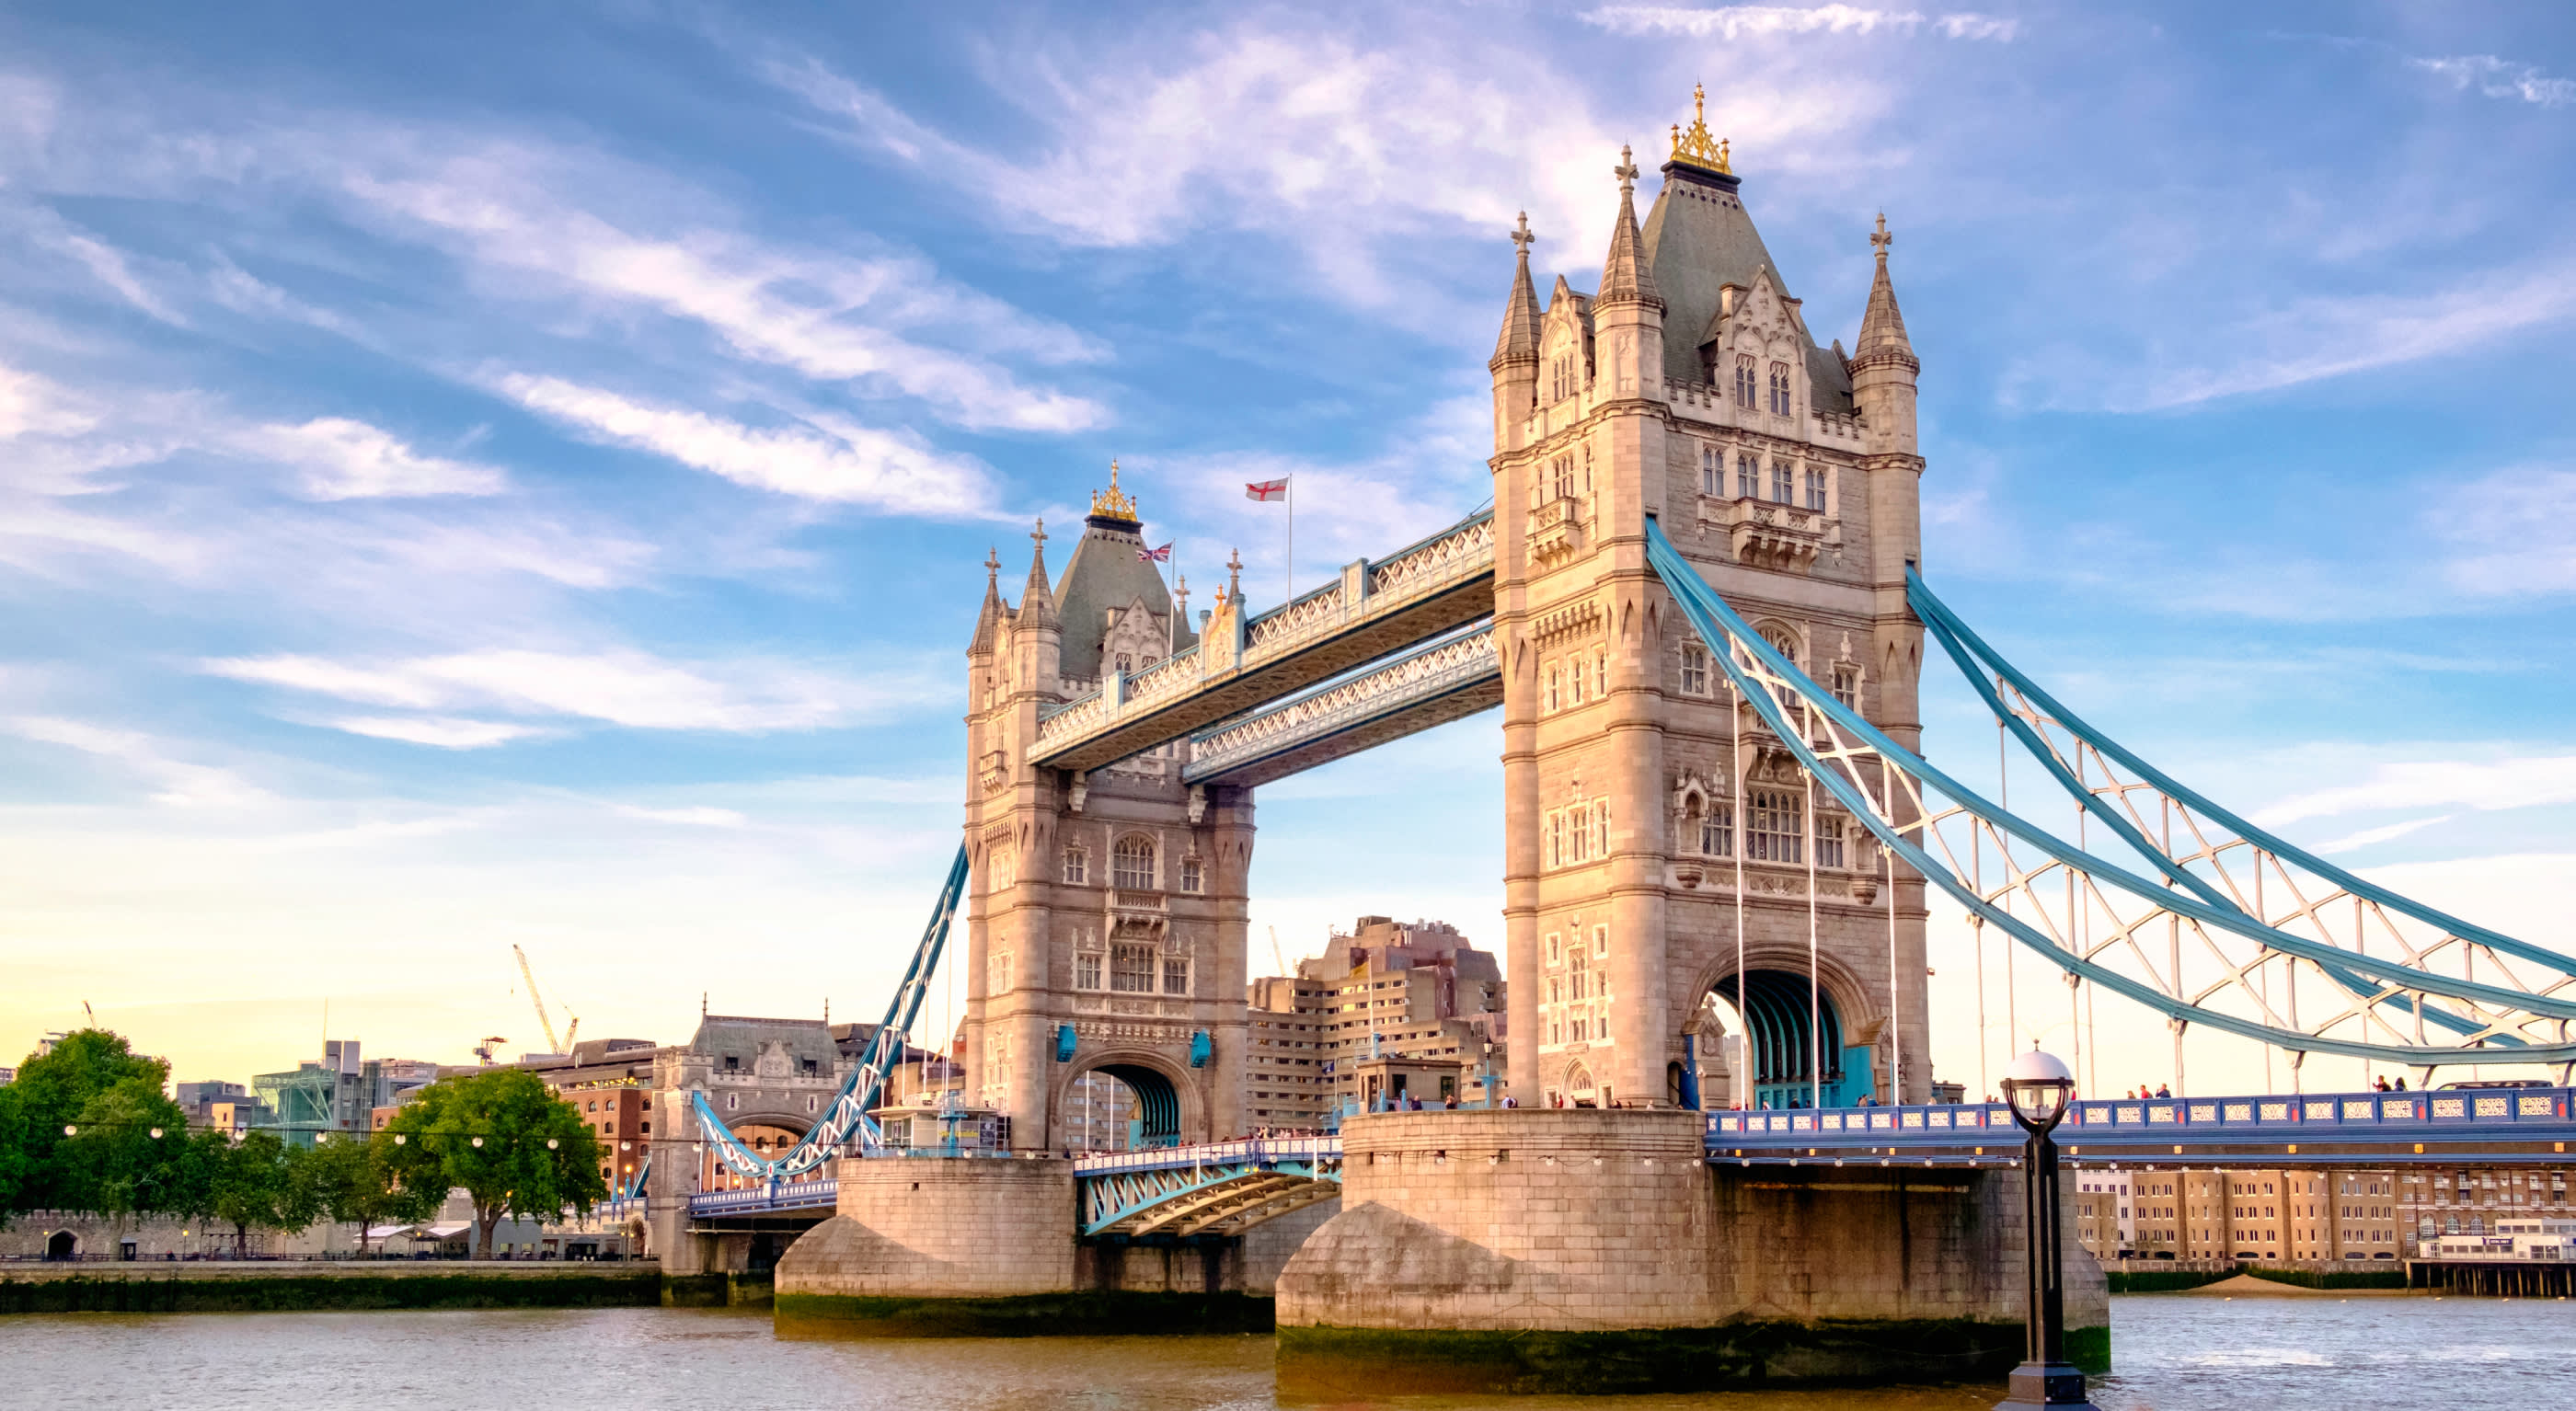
<point>1161,555</point>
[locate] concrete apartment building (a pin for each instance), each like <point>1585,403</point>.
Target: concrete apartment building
<point>2469,1200</point>
<point>1414,993</point>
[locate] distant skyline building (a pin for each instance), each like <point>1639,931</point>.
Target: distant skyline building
<point>1418,992</point>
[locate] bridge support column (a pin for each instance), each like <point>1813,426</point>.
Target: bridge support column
<point>965,1247</point>
<point>1597,1251</point>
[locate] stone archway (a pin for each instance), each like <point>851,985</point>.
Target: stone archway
<point>62,1245</point>
<point>1787,1027</point>
<point>1161,1105</point>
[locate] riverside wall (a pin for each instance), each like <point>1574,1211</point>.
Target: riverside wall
<point>1596,1250</point>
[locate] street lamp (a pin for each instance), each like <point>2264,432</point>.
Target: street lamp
<point>2038,1086</point>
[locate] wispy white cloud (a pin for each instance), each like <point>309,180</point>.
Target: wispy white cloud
<point>441,731</point>
<point>827,316</point>
<point>1347,151</point>
<point>2354,842</point>
<point>1759,21</point>
<point>628,688</point>
<point>2501,78</point>
<point>2538,557</point>
<point>174,780</point>
<point>341,459</point>
<point>700,817</point>
<point>830,458</point>
<point>2307,340</point>
<point>2482,784</point>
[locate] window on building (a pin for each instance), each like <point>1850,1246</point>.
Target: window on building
<point>1001,869</point>
<point>1176,975</point>
<point>1131,969</point>
<point>1562,476</point>
<point>1077,867</point>
<point>1601,675</point>
<point>1574,683</point>
<point>1829,841</point>
<point>1555,947</point>
<point>1192,875</point>
<point>1787,646</point>
<point>1782,481</point>
<point>1847,686</point>
<point>1600,940</point>
<point>1712,471</point>
<point>1694,669</point>
<point>1086,972</point>
<point>1775,831</point>
<point>1779,389</point>
<point>1748,476</point>
<point>1717,829</point>
<point>1134,862</point>
<point>1816,488</point>
<point>1587,467</point>
<point>1745,384</point>
<point>1601,828</point>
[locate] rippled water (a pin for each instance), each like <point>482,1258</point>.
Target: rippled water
<point>2277,1354</point>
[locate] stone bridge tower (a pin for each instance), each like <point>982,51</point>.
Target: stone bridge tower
<point>1106,919</point>
<point>1638,790</point>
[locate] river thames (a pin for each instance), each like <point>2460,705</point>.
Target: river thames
<point>2172,1352</point>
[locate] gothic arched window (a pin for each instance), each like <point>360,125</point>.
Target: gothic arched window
<point>1816,488</point>
<point>1775,834</point>
<point>1712,474</point>
<point>1694,669</point>
<point>1744,384</point>
<point>1077,867</point>
<point>1133,862</point>
<point>1779,389</point>
<point>1782,482</point>
<point>1748,476</point>
<point>1717,829</point>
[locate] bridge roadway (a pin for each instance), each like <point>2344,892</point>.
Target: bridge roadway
<point>1227,1187</point>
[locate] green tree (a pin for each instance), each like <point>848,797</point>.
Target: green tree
<point>123,1159</point>
<point>505,1139</point>
<point>51,1092</point>
<point>251,1185</point>
<point>361,1182</point>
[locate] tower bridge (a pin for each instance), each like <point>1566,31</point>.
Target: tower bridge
<point>1700,603</point>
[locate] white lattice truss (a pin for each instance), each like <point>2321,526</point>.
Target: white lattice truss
<point>1420,675</point>
<point>2157,894</point>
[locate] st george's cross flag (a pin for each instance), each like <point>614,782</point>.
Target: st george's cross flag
<point>1266,489</point>
<point>1161,555</point>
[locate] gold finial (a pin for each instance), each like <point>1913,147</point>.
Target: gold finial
<point>1695,144</point>
<point>1113,503</point>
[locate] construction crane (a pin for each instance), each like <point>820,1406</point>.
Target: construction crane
<point>544,1021</point>
<point>1276,953</point>
<point>483,1050</point>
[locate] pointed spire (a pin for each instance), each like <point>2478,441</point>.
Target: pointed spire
<point>1037,600</point>
<point>1519,340</point>
<point>991,614</point>
<point>1882,327</point>
<point>1625,277</point>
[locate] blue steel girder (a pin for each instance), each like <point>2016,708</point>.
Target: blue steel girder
<point>1441,681</point>
<point>1224,1197</point>
<point>1375,608</point>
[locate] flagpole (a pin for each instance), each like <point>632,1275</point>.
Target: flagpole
<point>1292,543</point>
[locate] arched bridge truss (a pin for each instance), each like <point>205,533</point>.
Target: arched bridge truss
<point>1225,1189</point>
<point>2160,896</point>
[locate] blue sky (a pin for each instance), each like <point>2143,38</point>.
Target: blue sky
<point>504,475</point>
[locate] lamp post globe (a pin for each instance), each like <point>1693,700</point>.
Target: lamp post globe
<point>2040,1087</point>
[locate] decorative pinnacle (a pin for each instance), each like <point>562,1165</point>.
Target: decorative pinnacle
<point>1113,502</point>
<point>1880,239</point>
<point>992,566</point>
<point>1695,144</point>
<point>1038,535</point>
<point>1522,237</point>
<point>1233,575</point>
<point>1626,171</point>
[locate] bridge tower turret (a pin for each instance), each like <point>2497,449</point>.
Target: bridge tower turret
<point>1653,831</point>
<point>1106,917</point>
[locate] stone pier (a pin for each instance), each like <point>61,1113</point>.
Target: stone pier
<point>1596,1250</point>
<point>989,1247</point>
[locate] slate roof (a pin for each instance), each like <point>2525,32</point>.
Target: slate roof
<point>1104,574</point>
<point>1698,238</point>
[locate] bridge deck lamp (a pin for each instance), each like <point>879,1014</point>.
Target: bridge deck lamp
<point>2039,1086</point>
